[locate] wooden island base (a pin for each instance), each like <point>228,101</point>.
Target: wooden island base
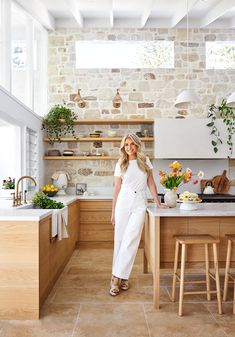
<point>161,225</point>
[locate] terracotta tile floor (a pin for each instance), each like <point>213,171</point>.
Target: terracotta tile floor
<point>80,306</point>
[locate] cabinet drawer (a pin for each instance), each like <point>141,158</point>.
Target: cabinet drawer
<point>95,216</point>
<point>94,235</point>
<point>99,204</point>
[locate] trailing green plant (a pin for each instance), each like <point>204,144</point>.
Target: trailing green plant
<point>228,116</point>
<point>51,123</point>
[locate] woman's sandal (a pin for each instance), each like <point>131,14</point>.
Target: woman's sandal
<point>114,288</point>
<point>124,284</point>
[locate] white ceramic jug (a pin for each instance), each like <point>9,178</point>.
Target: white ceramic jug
<point>60,180</point>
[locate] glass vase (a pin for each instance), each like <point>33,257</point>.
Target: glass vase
<point>170,198</point>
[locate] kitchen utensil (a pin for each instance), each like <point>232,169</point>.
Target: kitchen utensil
<point>94,135</point>
<point>209,189</point>
<point>68,153</point>
<point>221,183</point>
<point>205,183</point>
<point>53,152</point>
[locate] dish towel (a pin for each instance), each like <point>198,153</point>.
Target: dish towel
<point>59,223</point>
<point>62,223</point>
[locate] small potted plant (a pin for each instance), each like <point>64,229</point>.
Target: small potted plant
<point>53,126</point>
<point>8,187</point>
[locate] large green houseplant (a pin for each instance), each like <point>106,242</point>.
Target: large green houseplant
<point>53,126</point>
<point>228,116</point>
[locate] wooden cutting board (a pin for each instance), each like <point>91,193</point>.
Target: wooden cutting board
<point>221,183</point>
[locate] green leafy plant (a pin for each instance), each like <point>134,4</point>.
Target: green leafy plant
<point>40,200</point>
<point>228,116</point>
<point>8,184</point>
<point>53,126</point>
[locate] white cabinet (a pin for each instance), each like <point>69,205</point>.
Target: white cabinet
<point>187,138</point>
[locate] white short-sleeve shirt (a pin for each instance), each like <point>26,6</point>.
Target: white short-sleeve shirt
<point>134,178</point>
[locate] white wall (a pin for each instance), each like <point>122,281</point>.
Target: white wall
<point>17,114</point>
<point>8,152</point>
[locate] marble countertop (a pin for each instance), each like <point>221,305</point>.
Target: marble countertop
<point>24,213</point>
<point>204,209</point>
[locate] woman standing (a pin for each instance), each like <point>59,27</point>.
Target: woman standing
<point>133,173</point>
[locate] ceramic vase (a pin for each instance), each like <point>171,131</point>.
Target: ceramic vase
<point>170,198</point>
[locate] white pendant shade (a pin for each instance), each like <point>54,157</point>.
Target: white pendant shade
<point>231,100</point>
<point>185,98</point>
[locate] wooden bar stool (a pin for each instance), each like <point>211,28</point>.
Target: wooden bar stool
<point>185,240</point>
<point>228,275</point>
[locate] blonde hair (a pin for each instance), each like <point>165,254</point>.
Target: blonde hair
<point>140,156</point>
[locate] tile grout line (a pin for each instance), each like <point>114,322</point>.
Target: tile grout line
<point>145,316</point>
<point>76,321</point>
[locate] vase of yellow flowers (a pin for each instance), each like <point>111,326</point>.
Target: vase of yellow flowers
<point>177,177</point>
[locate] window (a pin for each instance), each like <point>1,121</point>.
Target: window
<point>20,85</point>
<point>124,54</point>
<point>220,55</point>
<point>39,70</point>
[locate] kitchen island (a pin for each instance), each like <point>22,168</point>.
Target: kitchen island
<point>31,260</point>
<point>217,219</point>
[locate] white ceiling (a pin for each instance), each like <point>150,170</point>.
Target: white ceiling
<point>132,13</point>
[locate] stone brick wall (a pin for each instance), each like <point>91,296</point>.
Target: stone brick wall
<point>146,93</point>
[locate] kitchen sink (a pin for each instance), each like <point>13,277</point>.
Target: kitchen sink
<point>26,206</point>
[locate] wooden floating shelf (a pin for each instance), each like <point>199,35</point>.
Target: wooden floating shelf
<point>82,157</point>
<point>112,121</point>
<point>92,139</point>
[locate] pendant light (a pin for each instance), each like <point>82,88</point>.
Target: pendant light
<point>231,100</point>
<point>187,96</point>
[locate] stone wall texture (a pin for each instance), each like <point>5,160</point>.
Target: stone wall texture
<point>145,93</point>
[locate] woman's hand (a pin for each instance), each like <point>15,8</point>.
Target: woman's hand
<point>162,206</point>
<point>113,220</point>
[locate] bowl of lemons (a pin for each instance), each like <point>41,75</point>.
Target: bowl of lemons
<point>49,190</point>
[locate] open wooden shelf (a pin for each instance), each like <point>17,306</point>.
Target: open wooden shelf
<point>82,157</point>
<point>92,139</point>
<point>112,121</point>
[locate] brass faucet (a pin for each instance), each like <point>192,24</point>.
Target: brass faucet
<point>18,195</point>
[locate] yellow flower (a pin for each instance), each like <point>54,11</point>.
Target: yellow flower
<point>175,165</point>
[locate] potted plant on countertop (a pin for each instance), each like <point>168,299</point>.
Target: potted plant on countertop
<point>8,187</point>
<point>228,116</point>
<point>53,126</point>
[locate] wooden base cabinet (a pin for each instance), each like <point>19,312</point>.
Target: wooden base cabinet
<point>30,263</point>
<point>95,226</point>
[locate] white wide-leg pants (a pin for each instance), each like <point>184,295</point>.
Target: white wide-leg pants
<point>129,220</point>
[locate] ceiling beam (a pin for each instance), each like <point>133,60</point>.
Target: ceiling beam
<point>74,9</point>
<point>148,5</point>
<point>181,11</point>
<point>219,10</point>
<point>38,11</point>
